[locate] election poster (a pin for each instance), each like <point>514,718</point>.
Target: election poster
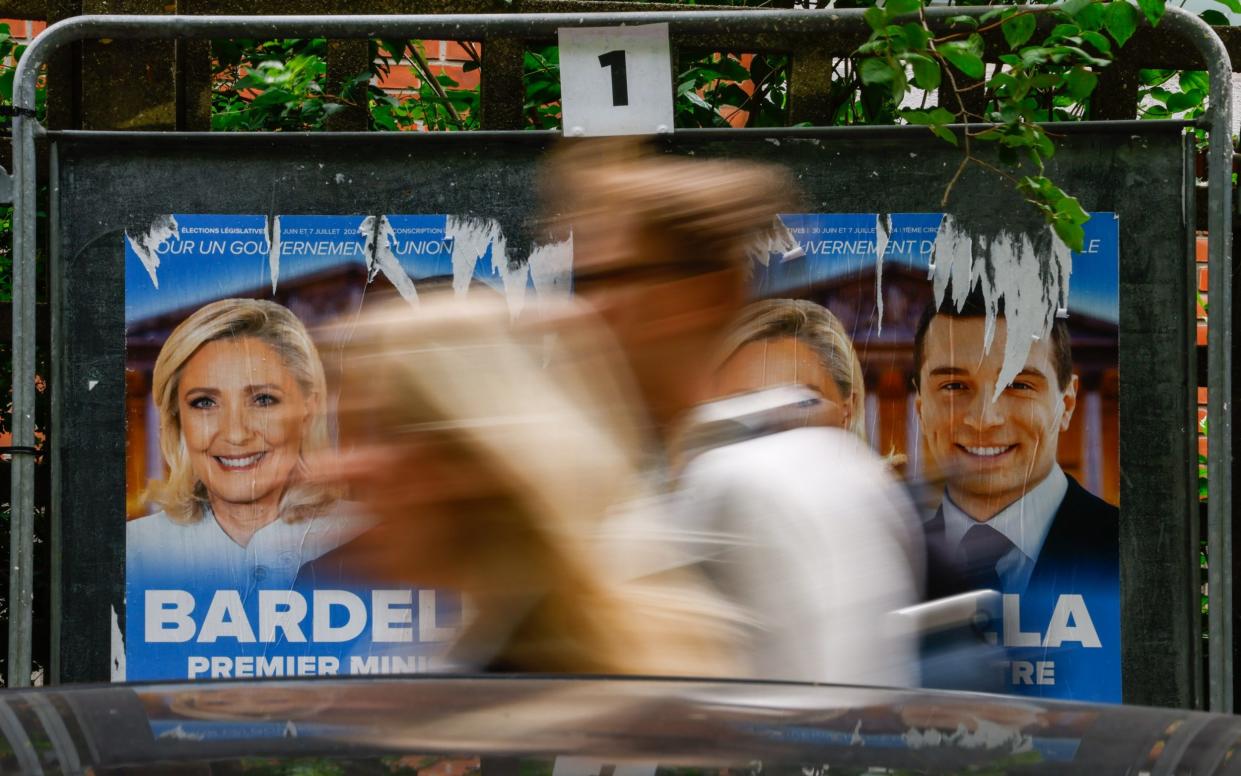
<point>232,548</point>
<point>992,388</point>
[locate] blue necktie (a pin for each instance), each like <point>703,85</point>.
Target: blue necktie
<point>983,546</point>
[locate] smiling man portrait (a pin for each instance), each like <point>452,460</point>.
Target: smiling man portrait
<point>1010,517</point>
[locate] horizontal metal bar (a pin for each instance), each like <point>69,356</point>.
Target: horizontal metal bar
<point>453,26</point>
<point>852,132</point>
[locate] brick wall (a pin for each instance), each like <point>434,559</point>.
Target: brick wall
<point>24,30</point>
<point>445,58</point>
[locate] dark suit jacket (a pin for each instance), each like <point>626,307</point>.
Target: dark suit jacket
<point>1082,548</point>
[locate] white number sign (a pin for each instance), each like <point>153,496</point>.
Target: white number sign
<point>615,80</point>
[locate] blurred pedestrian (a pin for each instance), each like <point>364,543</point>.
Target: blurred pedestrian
<point>805,529</point>
<point>487,477</point>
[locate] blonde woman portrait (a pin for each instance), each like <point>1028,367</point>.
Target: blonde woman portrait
<point>796,342</point>
<point>241,392</point>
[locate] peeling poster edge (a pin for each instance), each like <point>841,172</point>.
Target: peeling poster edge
<point>145,246</point>
<point>380,258</point>
<point>1029,273</point>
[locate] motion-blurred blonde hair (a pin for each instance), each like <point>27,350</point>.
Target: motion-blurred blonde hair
<point>695,210</point>
<point>815,326</point>
<point>452,371</point>
<point>182,495</point>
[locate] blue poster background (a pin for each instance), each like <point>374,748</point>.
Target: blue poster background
<point>273,616</point>
<point>1049,648</point>
<point>1059,638</point>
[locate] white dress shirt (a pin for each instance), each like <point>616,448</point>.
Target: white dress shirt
<point>817,544</point>
<point>1025,523</point>
<point>160,551</point>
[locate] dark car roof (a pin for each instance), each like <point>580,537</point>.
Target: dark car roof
<point>532,725</point>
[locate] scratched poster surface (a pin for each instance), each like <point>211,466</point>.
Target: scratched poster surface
<point>231,568</point>
<point>991,388</point>
<point>994,392</point>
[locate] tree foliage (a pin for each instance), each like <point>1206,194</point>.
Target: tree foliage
<point>908,71</point>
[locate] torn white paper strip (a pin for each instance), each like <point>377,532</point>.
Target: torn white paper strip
<point>273,251</point>
<point>1032,281</point>
<point>380,258</point>
<point>883,231</point>
<point>146,245</point>
<point>470,237</point>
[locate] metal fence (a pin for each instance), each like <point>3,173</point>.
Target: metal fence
<point>816,35</point>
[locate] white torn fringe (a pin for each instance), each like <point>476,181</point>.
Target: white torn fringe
<point>146,245</point>
<point>777,239</point>
<point>1031,295</point>
<point>470,238</point>
<point>380,258</point>
<point>273,251</point>
<point>551,268</point>
<point>883,232</point>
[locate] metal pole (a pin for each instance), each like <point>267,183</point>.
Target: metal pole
<point>1219,355</point>
<point>21,504</point>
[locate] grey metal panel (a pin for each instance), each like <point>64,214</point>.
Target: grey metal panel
<point>109,184</point>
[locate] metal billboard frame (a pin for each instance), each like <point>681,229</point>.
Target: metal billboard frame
<point>26,129</point>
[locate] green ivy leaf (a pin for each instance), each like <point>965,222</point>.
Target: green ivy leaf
<point>1194,79</point>
<point>1097,40</point>
<point>901,7</point>
<point>1091,17</point>
<point>1074,7</point>
<point>1018,29</point>
<point>1153,10</point>
<point>1121,20</point>
<point>1214,18</point>
<point>1072,234</point>
<point>382,116</point>
<point>928,117</point>
<point>919,117</point>
<point>1034,56</point>
<point>971,21</point>
<point>917,36</point>
<point>1064,32</point>
<point>1002,83</point>
<point>897,37</point>
<point>1081,82</point>
<point>963,58</point>
<point>395,48</point>
<point>1183,101</point>
<point>944,133</point>
<point>1231,5</point>
<point>876,18</point>
<point>877,71</point>
<point>1047,81</point>
<point>927,74</point>
<point>1070,209</point>
<point>273,97</point>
